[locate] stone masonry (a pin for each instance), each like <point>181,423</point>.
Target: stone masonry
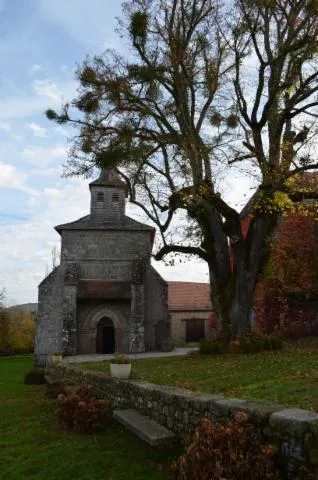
<point>294,431</point>
<point>105,294</point>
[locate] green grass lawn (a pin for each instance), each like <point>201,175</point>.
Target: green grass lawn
<point>288,377</point>
<point>33,447</point>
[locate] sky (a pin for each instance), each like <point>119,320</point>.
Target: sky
<point>41,43</point>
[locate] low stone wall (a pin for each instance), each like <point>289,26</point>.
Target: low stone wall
<point>294,430</point>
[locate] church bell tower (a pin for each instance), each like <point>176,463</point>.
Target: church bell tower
<point>108,194</point>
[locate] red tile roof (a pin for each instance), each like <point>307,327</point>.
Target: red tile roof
<point>188,296</point>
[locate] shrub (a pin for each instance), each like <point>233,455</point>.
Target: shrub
<point>82,411</point>
<point>34,377</point>
<point>256,341</point>
<point>213,347</point>
<point>231,451</point>
<point>235,346</point>
<point>17,329</point>
<point>120,359</point>
<point>253,341</point>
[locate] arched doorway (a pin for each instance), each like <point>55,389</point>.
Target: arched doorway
<point>105,336</point>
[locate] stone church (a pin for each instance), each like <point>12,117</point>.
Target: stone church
<point>104,296</point>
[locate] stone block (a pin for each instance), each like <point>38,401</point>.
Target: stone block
<point>151,432</point>
<point>293,421</point>
<point>202,403</point>
<point>259,412</point>
<point>228,406</point>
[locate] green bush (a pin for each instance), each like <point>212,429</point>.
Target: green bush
<point>253,341</point>
<point>17,329</point>
<point>82,411</point>
<point>212,347</point>
<point>231,451</point>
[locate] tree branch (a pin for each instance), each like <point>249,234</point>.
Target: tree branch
<point>302,169</point>
<point>180,249</point>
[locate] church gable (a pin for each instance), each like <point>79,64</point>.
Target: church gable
<point>104,306</point>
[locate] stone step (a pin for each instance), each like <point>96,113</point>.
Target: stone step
<point>151,432</point>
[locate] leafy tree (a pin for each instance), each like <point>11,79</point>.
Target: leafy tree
<point>287,296</point>
<point>181,110</point>
<point>4,323</point>
<point>17,329</point>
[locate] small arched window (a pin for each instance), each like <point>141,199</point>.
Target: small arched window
<point>100,196</point>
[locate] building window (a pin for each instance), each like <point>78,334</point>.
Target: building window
<point>100,196</point>
<point>115,197</point>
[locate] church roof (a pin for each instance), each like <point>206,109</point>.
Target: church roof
<point>85,223</point>
<point>109,178</point>
<point>189,296</point>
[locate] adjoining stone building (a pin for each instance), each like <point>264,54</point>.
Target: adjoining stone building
<point>191,312</point>
<point>104,296</point>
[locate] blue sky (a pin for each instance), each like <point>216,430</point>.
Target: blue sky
<point>41,43</point>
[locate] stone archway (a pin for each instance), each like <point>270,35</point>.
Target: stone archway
<point>91,320</point>
<point>105,336</point>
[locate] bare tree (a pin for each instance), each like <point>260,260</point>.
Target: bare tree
<point>170,119</point>
<point>2,297</point>
<point>54,261</point>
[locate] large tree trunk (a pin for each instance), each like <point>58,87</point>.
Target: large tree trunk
<point>232,292</point>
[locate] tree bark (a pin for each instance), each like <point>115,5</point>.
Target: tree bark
<point>233,283</point>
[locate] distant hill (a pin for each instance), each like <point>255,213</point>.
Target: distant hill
<point>28,307</point>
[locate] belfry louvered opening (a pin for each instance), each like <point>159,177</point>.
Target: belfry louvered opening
<point>100,196</point>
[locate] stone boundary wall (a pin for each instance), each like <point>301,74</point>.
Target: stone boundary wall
<point>294,430</point>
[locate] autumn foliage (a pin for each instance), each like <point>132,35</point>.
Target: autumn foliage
<point>287,296</point>
<point>231,451</point>
<point>17,329</point>
<point>82,411</point>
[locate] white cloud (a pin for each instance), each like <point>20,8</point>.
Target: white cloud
<point>188,270</point>
<point>16,138</point>
<point>4,126</point>
<point>36,129</point>
<point>34,69</point>
<point>23,106</point>
<point>43,156</point>
<point>47,88</point>
<point>61,131</point>
<point>9,176</point>
<point>25,256</point>
<point>47,172</point>
<point>46,95</point>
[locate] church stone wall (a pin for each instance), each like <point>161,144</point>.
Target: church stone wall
<point>104,245</point>
<point>157,319</point>
<point>49,319</point>
<point>112,270</point>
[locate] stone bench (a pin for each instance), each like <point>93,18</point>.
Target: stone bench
<point>53,387</point>
<point>151,432</point>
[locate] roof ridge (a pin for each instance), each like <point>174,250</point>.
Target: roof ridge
<point>86,223</point>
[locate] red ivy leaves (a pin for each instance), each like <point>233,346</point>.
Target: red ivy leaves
<point>292,274</point>
<point>294,254</point>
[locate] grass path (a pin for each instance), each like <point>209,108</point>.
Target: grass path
<point>32,446</point>
<point>288,377</point>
